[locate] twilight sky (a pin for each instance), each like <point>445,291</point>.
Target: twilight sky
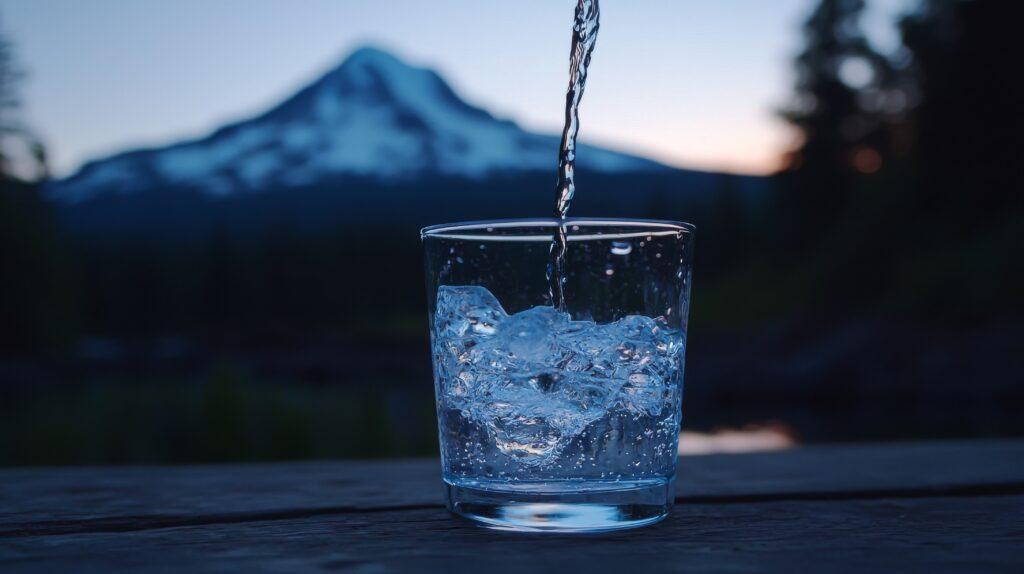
<point>693,83</point>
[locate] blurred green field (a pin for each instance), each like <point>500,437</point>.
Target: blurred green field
<point>223,418</point>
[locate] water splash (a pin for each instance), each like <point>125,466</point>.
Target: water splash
<point>584,38</point>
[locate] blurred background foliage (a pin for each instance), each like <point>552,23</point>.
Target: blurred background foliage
<point>872,292</point>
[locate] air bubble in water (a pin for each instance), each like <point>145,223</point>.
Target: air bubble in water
<point>621,248</point>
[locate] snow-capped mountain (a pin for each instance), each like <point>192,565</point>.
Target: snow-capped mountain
<point>372,116</point>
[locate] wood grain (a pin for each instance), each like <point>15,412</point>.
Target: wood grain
<point>938,535</point>
<point>942,506</point>
<point>70,494</point>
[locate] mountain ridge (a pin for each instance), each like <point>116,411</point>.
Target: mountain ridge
<point>372,116</point>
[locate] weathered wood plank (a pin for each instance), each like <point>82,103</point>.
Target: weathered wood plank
<point>78,499</point>
<point>978,534</point>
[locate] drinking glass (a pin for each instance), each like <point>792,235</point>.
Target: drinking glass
<point>559,419</point>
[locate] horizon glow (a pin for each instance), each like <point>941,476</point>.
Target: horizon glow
<point>691,84</point>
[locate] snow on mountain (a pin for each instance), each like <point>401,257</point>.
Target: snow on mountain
<point>373,116</point>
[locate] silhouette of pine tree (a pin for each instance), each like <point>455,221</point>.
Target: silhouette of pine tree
<point>12,130</point>
<point>10,75</point>
<point>840,135</point>
<point>36,298</point>
<point>966,124</point>
<point>968,119</point>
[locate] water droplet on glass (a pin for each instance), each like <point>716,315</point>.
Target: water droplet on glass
<point>482,247</point>
<point>609,271</point>
<point>621,248</point>
<point>657,255</point>
<point>459,259</point>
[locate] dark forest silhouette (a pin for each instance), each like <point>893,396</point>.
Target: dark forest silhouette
<point>907,182</point>
<point>35,298</point>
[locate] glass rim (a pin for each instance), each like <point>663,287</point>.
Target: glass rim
<point>464,230</point>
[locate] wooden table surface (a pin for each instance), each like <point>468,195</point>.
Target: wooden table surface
<point>929,506</point>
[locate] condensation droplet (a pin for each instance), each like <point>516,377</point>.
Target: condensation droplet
<point>621,248</point>
<point>609,271</point>
<point>459,259</point>
<point>657,255</point>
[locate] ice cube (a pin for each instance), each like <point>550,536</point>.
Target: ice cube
<point>531,334</point>
<point>534,381</point>
<point>530,439</point>
<point>587,393</point>
<point>467,310</point>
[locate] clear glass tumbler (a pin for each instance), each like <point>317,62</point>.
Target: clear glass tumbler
<point>559,419</point>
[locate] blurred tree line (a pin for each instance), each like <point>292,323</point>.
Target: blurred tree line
<point>903,194</point>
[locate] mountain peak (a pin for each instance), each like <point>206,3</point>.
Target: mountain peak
<point>370,55</point>
<point>372,116</point>
<point>371,59</point>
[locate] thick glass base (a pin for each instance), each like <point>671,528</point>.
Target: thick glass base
<point>562,506</point>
